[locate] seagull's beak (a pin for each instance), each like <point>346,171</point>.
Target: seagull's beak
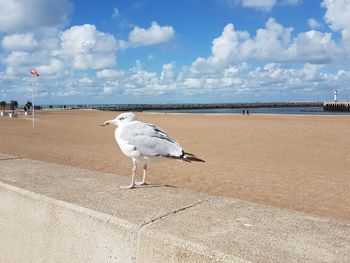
<point>105,123</point>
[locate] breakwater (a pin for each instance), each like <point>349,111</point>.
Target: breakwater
<point>198,106</point>
<point>336,106</point>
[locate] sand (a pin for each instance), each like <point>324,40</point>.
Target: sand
<point>300,163</point>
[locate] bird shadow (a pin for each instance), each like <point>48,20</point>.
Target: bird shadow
<point>154,185</point>
<point>163,185</point>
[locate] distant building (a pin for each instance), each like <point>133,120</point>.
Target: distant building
<point>336,105</point>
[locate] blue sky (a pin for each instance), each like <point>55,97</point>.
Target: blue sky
<point>152,51</point>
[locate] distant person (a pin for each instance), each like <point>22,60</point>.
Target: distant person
<point>247,112</point>
<point>243,112</point>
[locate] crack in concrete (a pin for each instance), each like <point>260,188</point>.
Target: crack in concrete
<point>173,212</point>
<point>144,225</point>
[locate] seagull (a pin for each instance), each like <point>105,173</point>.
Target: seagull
<point>145,143</point>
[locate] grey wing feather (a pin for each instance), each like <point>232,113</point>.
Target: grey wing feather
<point>162,134</point>
<point>151,140</point>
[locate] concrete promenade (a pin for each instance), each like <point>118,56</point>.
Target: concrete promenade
<point>55,213</point>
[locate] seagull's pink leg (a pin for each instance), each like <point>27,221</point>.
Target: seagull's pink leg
<point>132,184</point>
<point>143,182</point>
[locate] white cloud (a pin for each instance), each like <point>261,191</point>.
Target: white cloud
<point>143,77</point>
<point>109,73</point>
<point>192,83</point>
<point>313,23</point>
<point>84,39</point>
<point>312,71</point>
<point>270,43</point>
<point>224,45</point>
<point>115,13</point>
<point>291,2</point>
<point>54,67</point>
<point>23,51</point>
<point>232,79</point>
<point>153,35</point>
<point>19,58</point>
<point>136,82</point>
<point>88,48</point>
<point>168,71</point>
<point>68,61</point>
<point>264,5</point>
<point>79,47</point>
<point>31,15</point>
<point>150,57</point>
<point>316,47</point>
<point>231,71</point>
<point>108,90</point>
<point>85,81</point>
<point>274,43</point>
<point>337,16</point>
<point>19,42</point>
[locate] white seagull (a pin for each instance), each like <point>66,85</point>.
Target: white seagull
<point>145,143</point>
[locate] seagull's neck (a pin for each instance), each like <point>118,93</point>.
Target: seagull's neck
<point>120,128</point>
<point>126,124</point>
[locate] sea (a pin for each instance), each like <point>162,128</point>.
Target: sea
<point>280,110</point>
<point>283,110</point>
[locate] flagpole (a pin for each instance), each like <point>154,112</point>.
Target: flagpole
<point>35,74</point>
<point>33,101</point>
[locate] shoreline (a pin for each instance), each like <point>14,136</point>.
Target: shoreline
<point>185,113</point>
<point>250,114</point>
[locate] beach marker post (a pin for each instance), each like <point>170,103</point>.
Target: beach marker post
<point>35,75</point>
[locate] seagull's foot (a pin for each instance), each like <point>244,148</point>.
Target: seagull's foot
<point>127,187</point>
<point>141,183</point>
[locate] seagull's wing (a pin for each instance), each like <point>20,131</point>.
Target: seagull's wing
<point>160,133</point>
<point>150,140</point>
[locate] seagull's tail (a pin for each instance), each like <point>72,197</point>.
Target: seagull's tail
<point>189,157</point>
<point>186,157</point>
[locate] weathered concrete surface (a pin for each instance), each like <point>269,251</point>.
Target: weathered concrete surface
<point>96,191</point>
<point>230,230</point>
<point>35,228</point>
<point>54,213</point>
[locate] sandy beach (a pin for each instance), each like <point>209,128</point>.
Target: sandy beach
<point>300,163</point>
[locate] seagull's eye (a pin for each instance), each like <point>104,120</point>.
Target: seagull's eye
<point>122,118</point>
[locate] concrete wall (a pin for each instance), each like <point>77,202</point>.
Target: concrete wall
<point>53,213</point>
<point>35,228</point>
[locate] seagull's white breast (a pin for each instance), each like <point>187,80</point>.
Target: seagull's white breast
<point>127,148</point>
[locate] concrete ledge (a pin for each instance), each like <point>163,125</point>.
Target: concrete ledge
<point>7,157</point>
<point>35,228</point>
<point>54,213</point>
<point>236,231</point>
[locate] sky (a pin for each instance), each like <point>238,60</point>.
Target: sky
<point>174,51</point>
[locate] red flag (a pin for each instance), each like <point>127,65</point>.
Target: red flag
<point>34,72</point>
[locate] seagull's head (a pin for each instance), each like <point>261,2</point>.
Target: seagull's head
<point>122,119</point>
